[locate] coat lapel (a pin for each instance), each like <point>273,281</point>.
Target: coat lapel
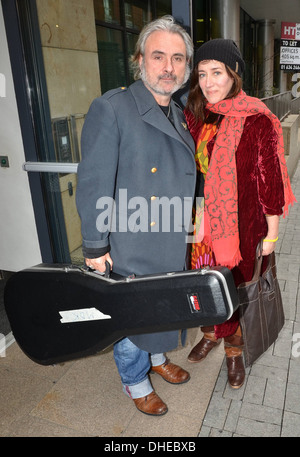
<point>152,114</point>
<point>181,126</point>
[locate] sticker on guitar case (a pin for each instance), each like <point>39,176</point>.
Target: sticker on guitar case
<point>81,315</point>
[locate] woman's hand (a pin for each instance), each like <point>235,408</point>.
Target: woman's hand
<point>268,247</point>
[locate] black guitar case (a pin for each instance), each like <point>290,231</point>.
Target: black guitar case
<point>61,312</point>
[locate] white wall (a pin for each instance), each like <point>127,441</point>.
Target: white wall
<point>19,246</point>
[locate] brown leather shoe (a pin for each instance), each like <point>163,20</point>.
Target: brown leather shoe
<point>151,405</point>
<point>171,373</point>
<point>236,371</point>
<point>200,351</point>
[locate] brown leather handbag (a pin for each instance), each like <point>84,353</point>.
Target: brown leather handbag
<point>261,309</point>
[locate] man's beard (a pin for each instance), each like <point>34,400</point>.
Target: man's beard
<point>155,86</point>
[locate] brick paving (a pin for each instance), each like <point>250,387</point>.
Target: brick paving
<point>268,404</point>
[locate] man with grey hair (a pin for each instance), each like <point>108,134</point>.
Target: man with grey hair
<point>135,142</point>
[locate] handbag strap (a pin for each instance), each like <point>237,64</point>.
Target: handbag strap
<point>258,261</point>
<point>271,266</point>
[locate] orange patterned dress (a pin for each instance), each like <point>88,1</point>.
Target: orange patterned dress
<point>201,254</point>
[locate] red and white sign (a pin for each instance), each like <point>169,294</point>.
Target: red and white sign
<point>290,46</point>
<point>290,31</point>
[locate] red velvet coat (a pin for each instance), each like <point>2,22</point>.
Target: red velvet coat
<point>260,188</point>
<point>260,192</point>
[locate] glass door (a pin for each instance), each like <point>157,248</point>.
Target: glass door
<point>85,46</point>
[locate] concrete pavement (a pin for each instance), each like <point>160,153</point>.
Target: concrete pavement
<point>268,405</point>
<point>84,398</point>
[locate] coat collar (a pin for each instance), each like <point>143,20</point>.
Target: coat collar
<point>152,114</point>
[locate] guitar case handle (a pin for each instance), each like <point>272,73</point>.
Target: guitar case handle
<point>107,269</point>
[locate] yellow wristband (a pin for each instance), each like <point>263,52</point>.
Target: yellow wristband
<point>271,241</point>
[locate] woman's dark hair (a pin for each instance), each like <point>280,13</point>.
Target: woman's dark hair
<point>196,101</point>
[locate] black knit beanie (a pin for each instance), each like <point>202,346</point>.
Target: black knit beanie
<point>223,50</point>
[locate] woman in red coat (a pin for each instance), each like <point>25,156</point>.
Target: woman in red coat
<point>239,152</point>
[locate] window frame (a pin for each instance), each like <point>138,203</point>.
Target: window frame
<point>124,31</point>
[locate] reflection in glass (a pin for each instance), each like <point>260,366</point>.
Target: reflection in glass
<point>202,23</point>
<point>107,11</point>
<point>111,58</point>
<point>131,41</point>
<point>163,7</point>
<point>137,14</point>
<point>247,45</point>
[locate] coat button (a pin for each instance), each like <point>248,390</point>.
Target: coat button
<point>153,170</point>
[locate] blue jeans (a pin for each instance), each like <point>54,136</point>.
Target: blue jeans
<point>133,365</point>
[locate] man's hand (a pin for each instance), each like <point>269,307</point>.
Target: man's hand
<point>99,263</point>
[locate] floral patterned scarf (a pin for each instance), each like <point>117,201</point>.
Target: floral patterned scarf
<point>221,199</point>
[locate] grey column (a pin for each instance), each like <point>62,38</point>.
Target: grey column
<point>226,19</point>
<point>283,82</point>
<point>265,57</point>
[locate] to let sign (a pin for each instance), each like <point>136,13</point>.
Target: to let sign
<point>290,46</point>
<point>290,31</point>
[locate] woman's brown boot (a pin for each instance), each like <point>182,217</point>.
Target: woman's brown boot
<point>234,358</point>
<point>205,345</point>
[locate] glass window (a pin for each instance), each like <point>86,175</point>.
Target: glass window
<point>163,7</point>
<point>247,46</point>
<point>201,23</point>
<point>111,58</point>
<point>137,14</point>
<point>107,11</point>
<point>131,42</point>
<point>118,24</point>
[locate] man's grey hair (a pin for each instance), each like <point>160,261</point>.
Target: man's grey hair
<point>165,24</point>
